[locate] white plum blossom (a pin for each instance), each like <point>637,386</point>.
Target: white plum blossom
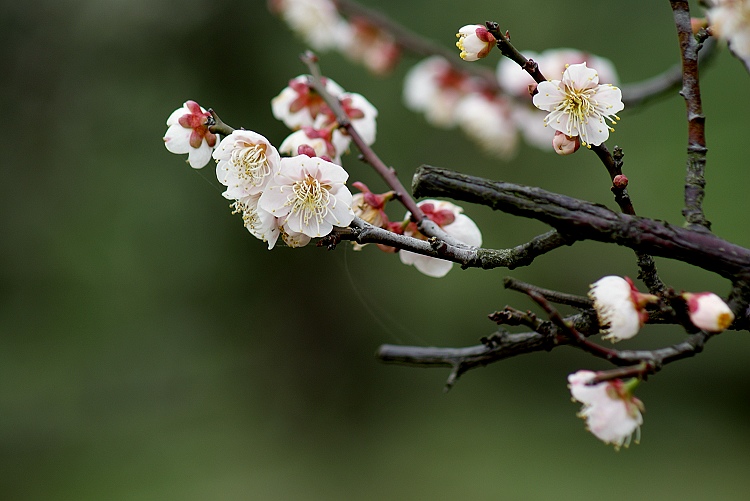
<point>188,133</point>
<point>708,311</point>
<point>434,88</point>
<point>362,115</point>
<point>309,196</point>
<point>619,307</point>
<point>299,105</point>
<point>245,163</point>
<point>316,21</point>
<point>474,42</point>
<point>515,81</point>
<point>365,43</point>
<point>488,119</point>
<point>260,223</point>
<point>552,63</point>
<point>730,21</point>
<point>451,219</point>
<point>611,411</point>
<point>578,105</point>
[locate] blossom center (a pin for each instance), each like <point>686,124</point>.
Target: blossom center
<point>249,216</point>
<point>252,164</point>
<point>577,105</point>
<point>309,199</point>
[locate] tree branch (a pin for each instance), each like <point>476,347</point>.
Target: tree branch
<point>695,181</point>
<point>581,220</point>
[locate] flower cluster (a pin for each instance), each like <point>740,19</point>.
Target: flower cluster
<point>298,197</point>
<point>611,411</point>
<point>730,21</point>
<point>321,26</point>
<point>304,111</point>
<point>448,98</point>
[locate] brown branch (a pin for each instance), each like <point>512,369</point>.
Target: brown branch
<point>581,220</point>
<point>695,180</point>
<point>554,296</point>
<point>217,126</point>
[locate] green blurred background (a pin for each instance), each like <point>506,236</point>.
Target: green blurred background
<point>150,349</point>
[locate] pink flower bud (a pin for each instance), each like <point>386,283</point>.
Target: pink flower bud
<point>620,181</point>
<point>708,311</point>
<point>565,145</point>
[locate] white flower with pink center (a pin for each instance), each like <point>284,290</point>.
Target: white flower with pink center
<point>611,411</point>
<point>578,105</point>
<point>245,163</point>
<point>188,133</point>
<point>474,42</point>
<point>299,105</point>
<point>488,120</point>
<point>730,21</point>
<point>434,88</point>
<point>260,223</point>
<point>619,307</point>
<point>309,196</point>
<point>708,311</point>
<point>451,219</point>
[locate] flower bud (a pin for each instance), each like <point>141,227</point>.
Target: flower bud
<point>708,311</point>
<point>620,181</point>
<point>565,145</point>
<point>474,42</point>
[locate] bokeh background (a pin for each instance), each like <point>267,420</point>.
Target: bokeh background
<point>150,349</point>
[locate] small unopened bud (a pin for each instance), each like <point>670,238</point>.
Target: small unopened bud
<point>565,145</point>
<point>708,311</point>
<point>620,181</point>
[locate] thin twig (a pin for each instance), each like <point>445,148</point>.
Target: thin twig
<point>551,295</point>
<point>695,180</point>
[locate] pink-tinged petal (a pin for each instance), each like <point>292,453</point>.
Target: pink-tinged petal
<point>196,139</point>
<point>548,95</point>
<point>177,139</point>
<point>199,157</point>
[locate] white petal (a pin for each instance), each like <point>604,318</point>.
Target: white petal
<point>177,139</point>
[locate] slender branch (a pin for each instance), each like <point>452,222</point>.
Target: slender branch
<point>468,257</point>
<point>581,220</point>
<point>695,181</point>
<point>554,296</point>
<point>663,84</point>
